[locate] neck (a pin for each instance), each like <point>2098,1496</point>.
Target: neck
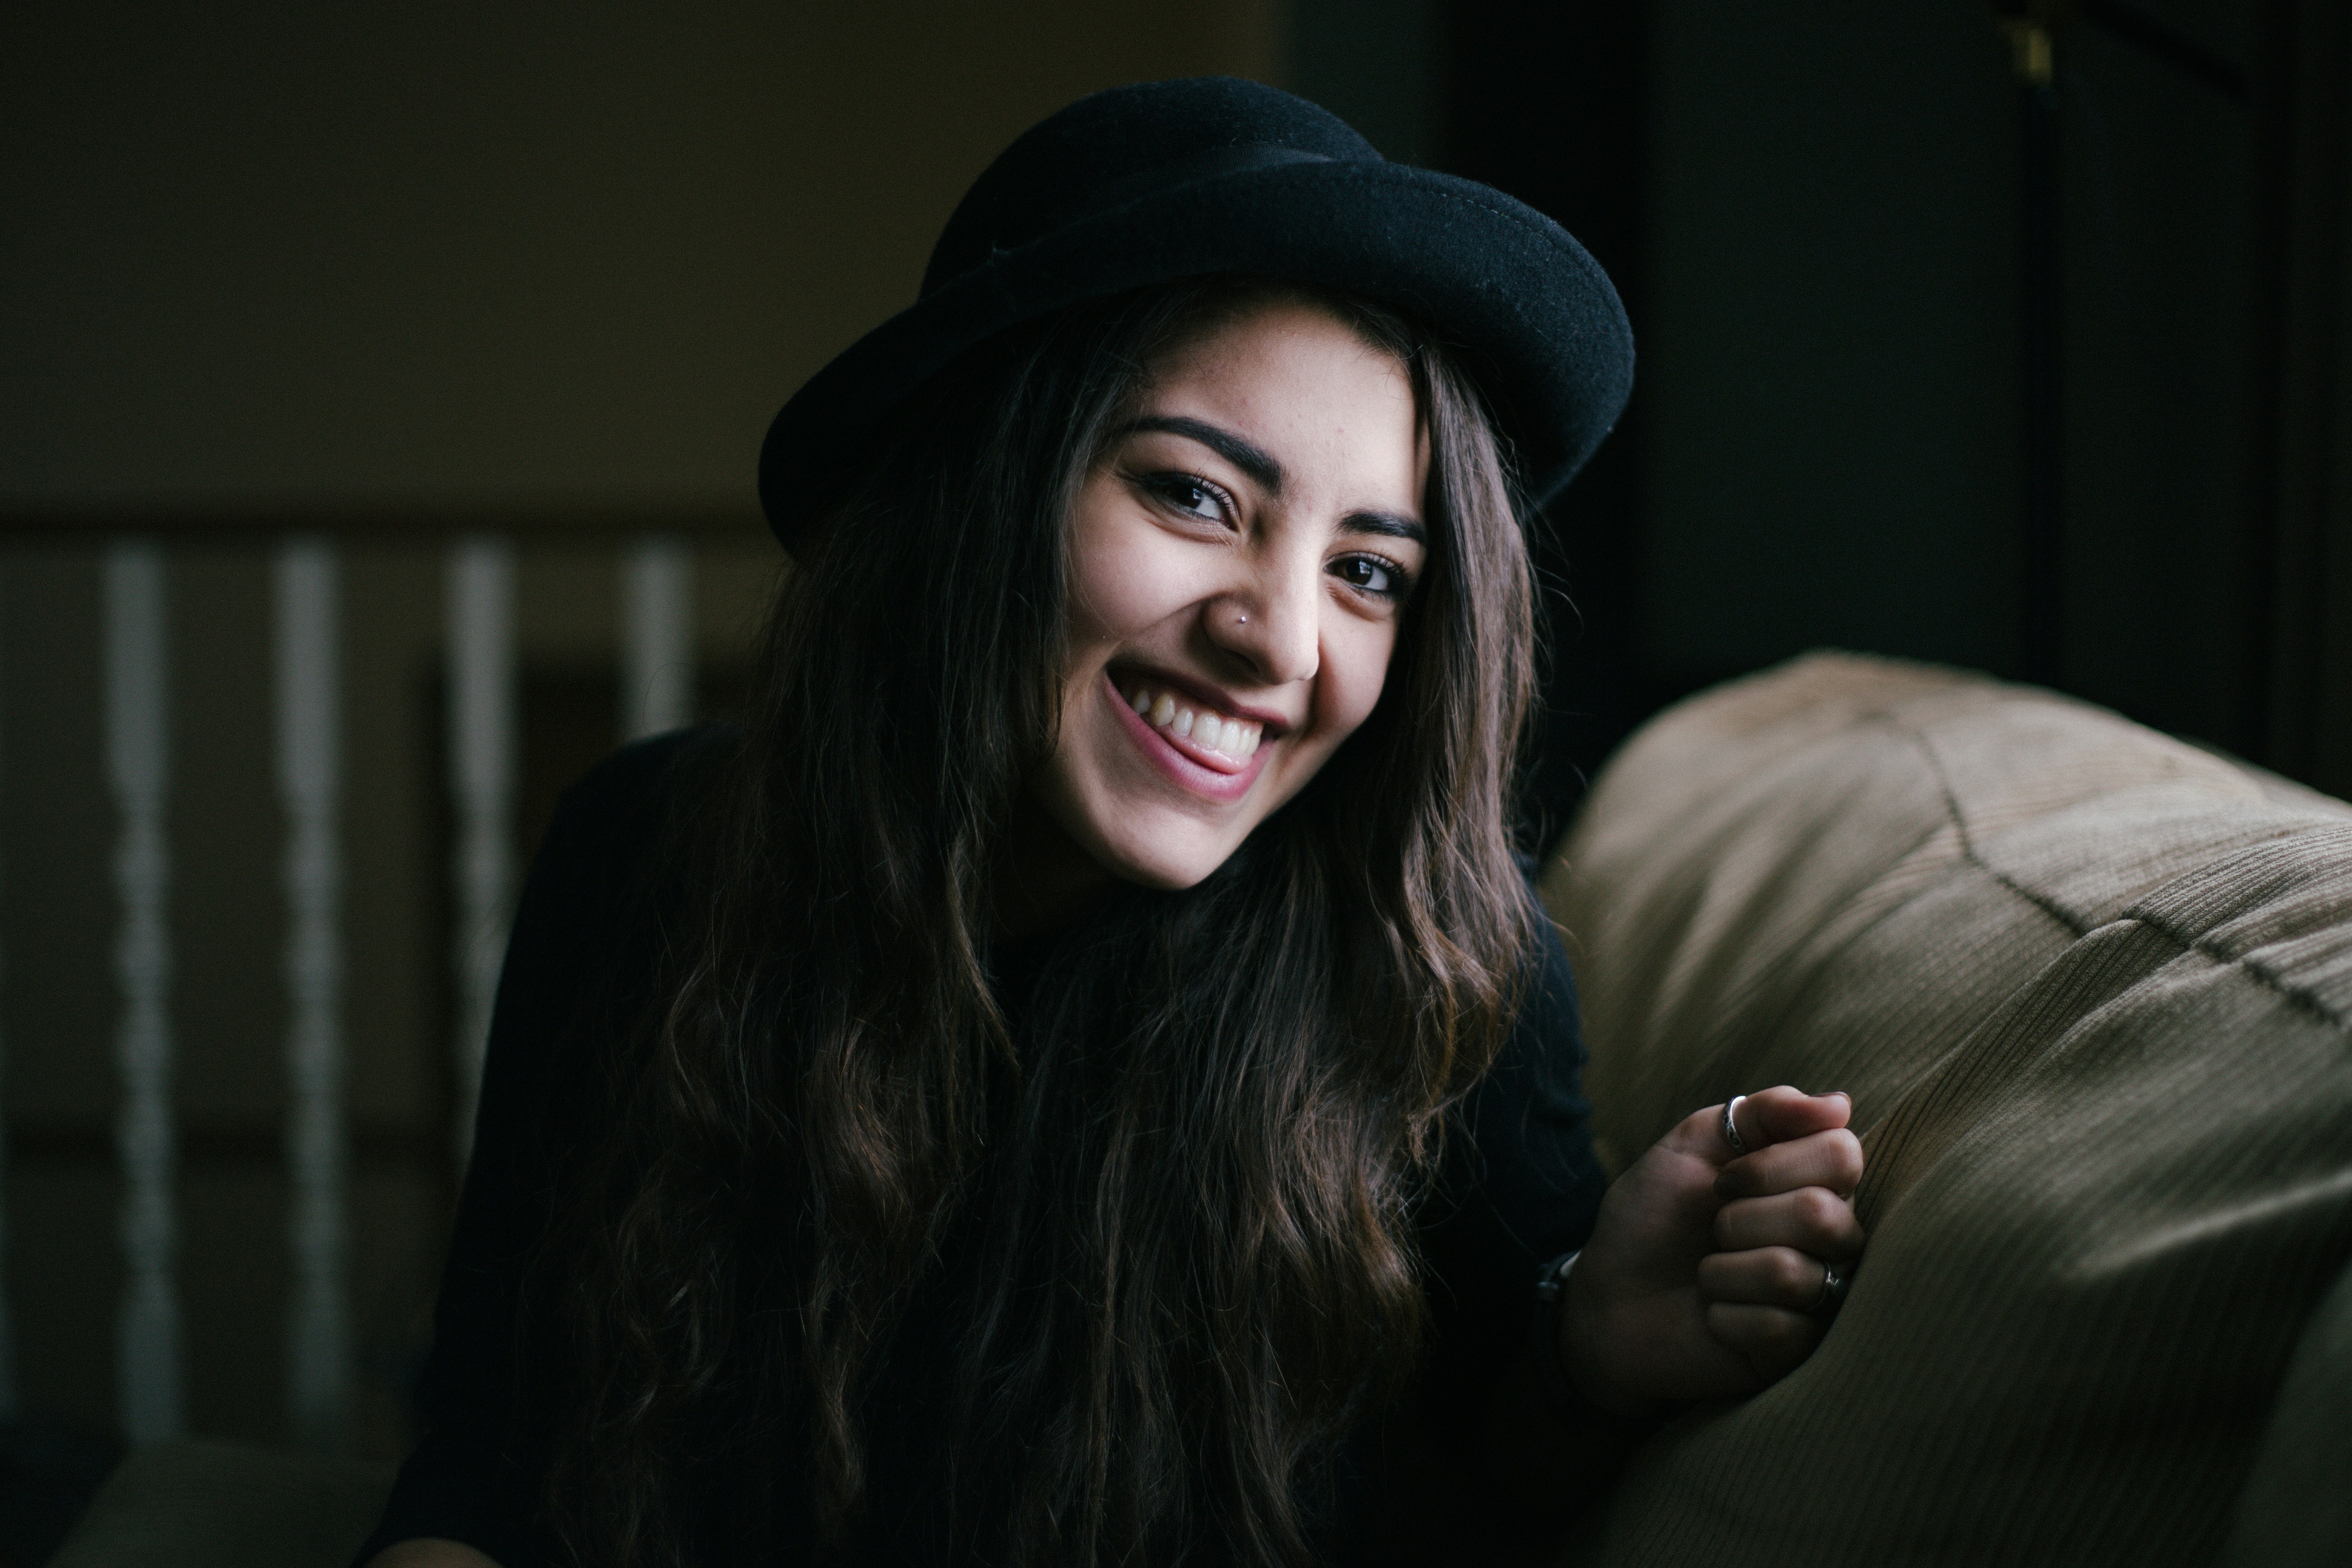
<point>1044,878</point>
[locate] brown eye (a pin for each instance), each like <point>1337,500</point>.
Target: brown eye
<point>1193,497</point>
<point>1369,575</point>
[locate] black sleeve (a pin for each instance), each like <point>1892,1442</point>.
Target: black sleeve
<point>472,1477</point>
<point>1522,1181</point>
<point>1520,1185</point>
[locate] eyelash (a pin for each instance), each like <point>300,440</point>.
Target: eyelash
<point>1169,486</point>
<point>1400,580</point>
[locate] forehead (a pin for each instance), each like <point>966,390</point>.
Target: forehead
<point>1255,334</point>
<point>1291,374</point>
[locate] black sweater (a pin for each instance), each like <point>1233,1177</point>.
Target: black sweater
<point>1520,1186</point>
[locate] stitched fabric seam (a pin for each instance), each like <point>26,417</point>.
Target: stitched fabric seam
<point>2268,979</point>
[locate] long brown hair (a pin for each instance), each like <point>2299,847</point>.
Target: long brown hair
<point>1150,1199</point>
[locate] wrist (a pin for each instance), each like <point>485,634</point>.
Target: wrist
<point>1581,1334</point>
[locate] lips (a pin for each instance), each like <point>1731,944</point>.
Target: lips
<point>1206,771</point>
<point>1178,715</point>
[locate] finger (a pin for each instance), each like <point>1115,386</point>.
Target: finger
<point>1767,1116</point>
<point>1764,1277</point>
<point>1773,1341</point>
<point>1777,1115</point>
<point>1830,1159</point>
<point>1810,1219</point>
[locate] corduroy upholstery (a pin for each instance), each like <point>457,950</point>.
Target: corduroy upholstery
<point>2089,988</point>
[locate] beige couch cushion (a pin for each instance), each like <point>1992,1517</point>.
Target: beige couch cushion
<point>2090,990</point>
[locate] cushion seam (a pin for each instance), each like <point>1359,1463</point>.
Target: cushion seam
<point>2268,979</point>
<point>2049,906</point>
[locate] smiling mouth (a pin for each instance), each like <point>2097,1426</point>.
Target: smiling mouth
<point>1184,716</point>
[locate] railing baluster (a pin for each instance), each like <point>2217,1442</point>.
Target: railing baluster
<point>481,651</point>
<point>7,1323</point>
<point>309,784</point>
<point>656,637</point>
<point>138,753</point>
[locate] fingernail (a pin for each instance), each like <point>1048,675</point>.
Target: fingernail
<point>1839,1094</point>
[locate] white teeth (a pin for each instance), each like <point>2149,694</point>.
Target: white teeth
<point>1235,738</point>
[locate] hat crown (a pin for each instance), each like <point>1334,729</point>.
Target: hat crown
<point>1106,148</point>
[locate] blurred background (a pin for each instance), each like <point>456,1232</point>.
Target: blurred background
<point>378,396</point>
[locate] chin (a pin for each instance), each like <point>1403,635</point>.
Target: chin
<point>1169,864</point>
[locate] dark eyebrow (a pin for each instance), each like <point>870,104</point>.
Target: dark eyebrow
<point>1386,525</point>
<point>1253,460</point>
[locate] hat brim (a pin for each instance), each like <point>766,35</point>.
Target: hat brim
<point>1537,319</point>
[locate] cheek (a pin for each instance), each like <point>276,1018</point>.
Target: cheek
<point>1356,671</point>
<point>1125,575</point>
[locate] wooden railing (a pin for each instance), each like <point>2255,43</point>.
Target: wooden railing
<point>655,655</point>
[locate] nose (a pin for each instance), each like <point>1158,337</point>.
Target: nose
<point>1270,620</point>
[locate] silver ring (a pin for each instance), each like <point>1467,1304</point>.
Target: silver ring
<point>1731,1127</point>
<point>1834,1286</point>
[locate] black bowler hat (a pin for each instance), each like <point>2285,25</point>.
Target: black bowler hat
<point>1169,180</point>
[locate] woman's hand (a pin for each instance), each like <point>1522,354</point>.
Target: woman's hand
<point>1705,1265</point>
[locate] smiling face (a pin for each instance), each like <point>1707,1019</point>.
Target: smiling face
<point>1240,562</point>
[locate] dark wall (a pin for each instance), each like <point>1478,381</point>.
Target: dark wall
<point>1546,101</point>
<point>1377,64</point>
<point>1816,210</point>
<point>1830,453</point>
<point>2162,180</point>
<point>281,254</point>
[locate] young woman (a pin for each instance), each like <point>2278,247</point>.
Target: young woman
<point>1080,1078</point>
